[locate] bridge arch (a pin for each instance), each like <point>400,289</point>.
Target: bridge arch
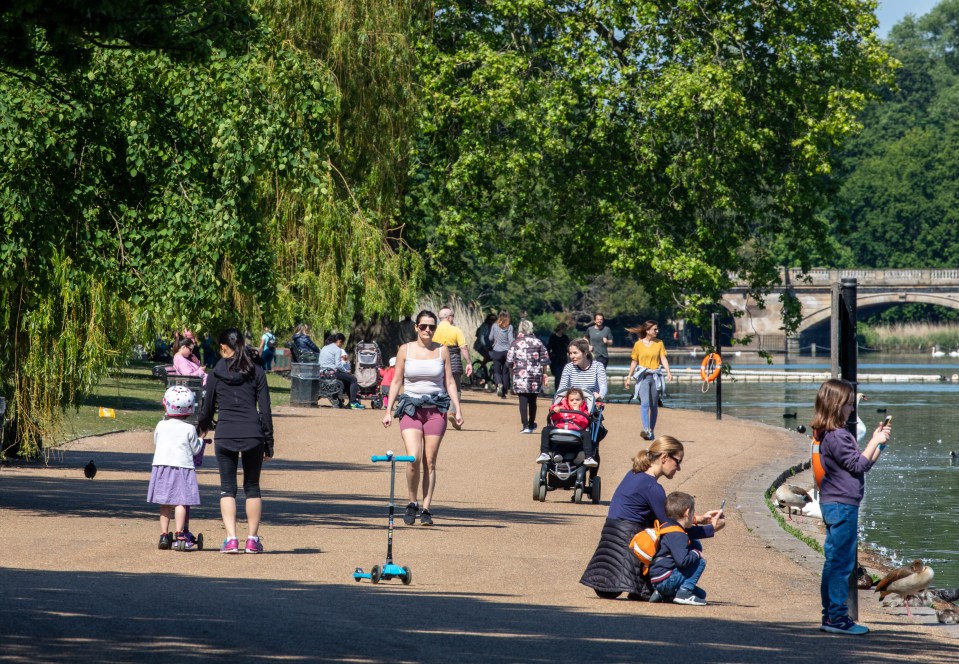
<point>871,301</point>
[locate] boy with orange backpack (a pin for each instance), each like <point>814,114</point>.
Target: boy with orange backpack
<point>678,563</point>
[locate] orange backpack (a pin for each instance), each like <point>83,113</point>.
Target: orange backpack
<point>645,543</point>
<point>815,462</point>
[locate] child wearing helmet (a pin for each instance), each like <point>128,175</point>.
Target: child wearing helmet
<point>173,481</point>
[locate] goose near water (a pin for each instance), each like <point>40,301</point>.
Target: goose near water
<point>906,582</point>
<point>790,496</point>
<point>947,616</point>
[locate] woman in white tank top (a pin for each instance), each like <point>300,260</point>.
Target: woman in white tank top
<point>423,372</point>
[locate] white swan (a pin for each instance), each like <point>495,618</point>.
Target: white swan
<point>936,352</point>
<point>954,353</point>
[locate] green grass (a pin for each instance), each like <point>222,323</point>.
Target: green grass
<point>136,397</point>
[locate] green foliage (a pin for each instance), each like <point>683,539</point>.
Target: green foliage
<point>143,192</point>
<point>898,205</point>
<point>672,141</point>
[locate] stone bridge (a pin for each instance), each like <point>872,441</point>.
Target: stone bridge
<point>877,289</point>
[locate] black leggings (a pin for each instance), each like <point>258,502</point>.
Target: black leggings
<point>500,371</point>
<point>527,408</point>
<point>349,382</point>
<point>228,462</point>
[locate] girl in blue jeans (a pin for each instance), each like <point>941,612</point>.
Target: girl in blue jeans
<point>840,493</point>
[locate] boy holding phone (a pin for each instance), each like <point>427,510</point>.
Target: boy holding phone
<point>679,561</point>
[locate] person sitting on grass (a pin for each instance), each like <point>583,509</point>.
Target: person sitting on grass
<point>679,562</point>
<point>574,400</point>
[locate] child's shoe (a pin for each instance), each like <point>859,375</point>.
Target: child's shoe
<point>230,545</point>
<point>590,462</point>
<point>543,458</point>
<point>688,598</point>
<point>844,625</point>
<point>165,542</point>
<point>254,545</point>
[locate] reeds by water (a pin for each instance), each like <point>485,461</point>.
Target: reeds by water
<point>911,337</point>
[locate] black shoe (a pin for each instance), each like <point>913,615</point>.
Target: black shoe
<point>164,542</point>
<point>410,517</point>
<point>426,519</point>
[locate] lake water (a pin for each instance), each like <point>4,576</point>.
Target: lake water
<point>911,508</point>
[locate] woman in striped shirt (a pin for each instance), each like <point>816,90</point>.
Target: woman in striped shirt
<point>582,372</point>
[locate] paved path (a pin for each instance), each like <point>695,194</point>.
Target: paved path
<point>494,581</point>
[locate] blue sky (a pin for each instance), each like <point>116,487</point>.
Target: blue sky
<point>891,12</point>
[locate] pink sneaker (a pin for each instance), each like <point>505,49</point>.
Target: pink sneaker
<point>230,546</point>
<point>254,545</point>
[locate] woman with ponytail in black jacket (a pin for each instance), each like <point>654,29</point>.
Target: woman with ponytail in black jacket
<point>237,390</point>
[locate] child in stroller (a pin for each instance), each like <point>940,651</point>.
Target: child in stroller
<point>567,443</point>
<point>569,412</point>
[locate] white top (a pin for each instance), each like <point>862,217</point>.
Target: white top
<point>176,442</point>
<point>422,377</point>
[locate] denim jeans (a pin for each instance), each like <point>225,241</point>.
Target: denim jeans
<point>649,401</point>
<point>684,578</point>
<point>842,523</point>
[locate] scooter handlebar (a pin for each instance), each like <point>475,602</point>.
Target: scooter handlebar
<point>390,457</point>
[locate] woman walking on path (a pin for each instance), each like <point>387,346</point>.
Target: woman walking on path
<point>424,375</point>
<point>649,355</point>
<point>639,500</point>
<point>840,493</point>
<point>238,392</point>
<point>267,348</point>
<point>501,336</point>
<point>528,359</point>
<point>582,372</point>
<point>556,346</point>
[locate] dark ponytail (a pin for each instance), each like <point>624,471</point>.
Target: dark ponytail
<point>242,361</point>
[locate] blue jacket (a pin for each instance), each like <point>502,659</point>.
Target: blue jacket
<point>640,498</point>
<point>676,551</point>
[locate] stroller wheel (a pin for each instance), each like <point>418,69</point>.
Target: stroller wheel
<point>578,495</point>
<point>595,490</point>
<point>377,404</point>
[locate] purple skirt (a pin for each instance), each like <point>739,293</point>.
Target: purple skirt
<point>170,485</point>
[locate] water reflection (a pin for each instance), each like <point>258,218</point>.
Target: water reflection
<point>911,508</point>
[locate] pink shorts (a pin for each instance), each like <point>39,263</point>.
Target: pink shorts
<point>428,420</point>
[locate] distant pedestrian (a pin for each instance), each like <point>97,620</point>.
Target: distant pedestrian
<point>482,345</point>
<point>840,494</point>
<point>304,349</point>
<point>646,366</point>
<point>501,336</point>
<point>600,339</point>
<point>173,482</point>
<point>449,335</point>
<point>556,346</point>
<point>185,362</point>
<point>267,348</point>
<point>528,360</point>
<point>238,393</point>
<point>209,352</point>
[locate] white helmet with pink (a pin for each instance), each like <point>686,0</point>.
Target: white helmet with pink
<point>179,401</point>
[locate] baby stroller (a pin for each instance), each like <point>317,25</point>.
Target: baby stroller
<point>369,361</point>
<point>566,469</point>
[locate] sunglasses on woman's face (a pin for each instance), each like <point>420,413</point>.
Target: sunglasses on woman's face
<point>424,327</point>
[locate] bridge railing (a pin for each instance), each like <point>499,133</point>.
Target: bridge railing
<point>819,277</point>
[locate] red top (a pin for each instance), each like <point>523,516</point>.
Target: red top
<point>387,375</point>
<point>569,420</point>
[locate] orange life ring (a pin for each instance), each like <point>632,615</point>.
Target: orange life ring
<point>710,368</point>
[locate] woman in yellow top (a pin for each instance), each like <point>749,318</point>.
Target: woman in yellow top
<point>649,354</point>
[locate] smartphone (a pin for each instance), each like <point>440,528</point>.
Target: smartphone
<point>886,421</point>
<point>723,506</point>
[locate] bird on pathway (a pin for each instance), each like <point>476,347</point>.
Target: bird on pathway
<point>906,582</point>
<point>90,470</point>
<point>948,616</point>
<point>790,496</point>
<point>863,581</point>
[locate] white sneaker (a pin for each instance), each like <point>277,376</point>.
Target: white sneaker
<point>526,430</point>
<point>543,458</point>
<point>590,462</point>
